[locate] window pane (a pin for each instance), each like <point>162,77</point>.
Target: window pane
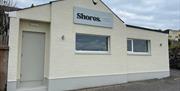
<point>129,45</point>
<point>140,45</point>
<point>86,42</point>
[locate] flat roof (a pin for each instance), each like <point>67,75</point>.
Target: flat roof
<point>144,28</point>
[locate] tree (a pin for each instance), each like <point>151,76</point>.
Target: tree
<point>5,5</point>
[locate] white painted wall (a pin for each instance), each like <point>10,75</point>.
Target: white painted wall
<point>13,49</point>
<point>40,13</point>
<point>64,62</point>
<point>158,60</point>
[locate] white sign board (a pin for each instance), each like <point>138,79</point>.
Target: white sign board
<point>92,17</point>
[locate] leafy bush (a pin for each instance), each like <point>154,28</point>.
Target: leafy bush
<point>174,54</point>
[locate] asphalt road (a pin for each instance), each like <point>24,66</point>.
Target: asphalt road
<point>168,84</point>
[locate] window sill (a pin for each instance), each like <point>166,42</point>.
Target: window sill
<point>138,54</point>
<point>93,52</point>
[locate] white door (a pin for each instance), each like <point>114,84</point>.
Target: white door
<point>33,52</point>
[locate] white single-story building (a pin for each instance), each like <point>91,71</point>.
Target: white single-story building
<point>73,44</point>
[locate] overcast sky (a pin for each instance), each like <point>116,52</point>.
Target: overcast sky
<point>159,14</point>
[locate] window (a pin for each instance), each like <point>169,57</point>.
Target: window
<point>138,46</point>
<point>98,43</point>
<point>129,45</point>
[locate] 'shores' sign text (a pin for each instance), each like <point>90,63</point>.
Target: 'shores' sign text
<point>92,17</point>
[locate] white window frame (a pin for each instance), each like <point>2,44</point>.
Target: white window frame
<point>139,53</point>
<point>94,52</point>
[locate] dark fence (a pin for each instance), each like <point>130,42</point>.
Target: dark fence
<point>4,49</point>
<point>4,40</point>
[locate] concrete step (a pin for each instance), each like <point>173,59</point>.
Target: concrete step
<point>39,88</point>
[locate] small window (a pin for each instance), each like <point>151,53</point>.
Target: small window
<point>138,46</point>
<point>86,42</point>
<point>129,45</point>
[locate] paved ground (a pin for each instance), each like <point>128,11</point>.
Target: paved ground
<point>168,84</point>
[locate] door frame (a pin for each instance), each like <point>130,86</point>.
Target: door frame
<point>41,27</point>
